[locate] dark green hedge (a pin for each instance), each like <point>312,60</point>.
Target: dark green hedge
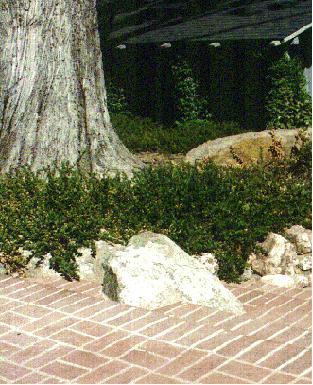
<point>204,209</point>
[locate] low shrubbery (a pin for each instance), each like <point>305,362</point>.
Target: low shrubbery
<point>143,134</point>
<point>204,208</point>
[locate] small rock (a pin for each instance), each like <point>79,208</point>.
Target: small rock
<point>25,253</point>
<point>40,268</point>
<point>287,281</point>
<point>85,263</point>
<point>3,270</point>
<point>301,237</point>
<point>305,262</point>
<point>247,274</point>
<point>279,255</point>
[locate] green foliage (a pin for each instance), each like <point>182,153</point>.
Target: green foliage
<point>189,104</point>
<point>143,134</point>
<point>56,216</point>
<point>288,104</point>
<point>117,102</point>
<point>204,208</point>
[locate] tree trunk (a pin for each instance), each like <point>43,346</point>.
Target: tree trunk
<point>52,94</point>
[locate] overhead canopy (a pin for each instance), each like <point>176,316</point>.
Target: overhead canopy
<point>214,21</point>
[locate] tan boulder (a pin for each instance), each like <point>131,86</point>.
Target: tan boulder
<point>249,147</point>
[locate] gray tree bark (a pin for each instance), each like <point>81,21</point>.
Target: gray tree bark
<point>52,93</point>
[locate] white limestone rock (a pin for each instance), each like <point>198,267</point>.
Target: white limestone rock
<point>85,263</point>
<point>305,262</point>
<point>246,275</point>
<point>287,281</point>
<point>152,271</point>
<point>279,256</point>
<point>301,237</point>
<point>209,261</point>
<point>3,270</point>
<point>40,268</point>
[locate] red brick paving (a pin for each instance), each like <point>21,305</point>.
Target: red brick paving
<point>61,332</point>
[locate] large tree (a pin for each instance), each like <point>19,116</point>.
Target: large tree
<point>52,94</point>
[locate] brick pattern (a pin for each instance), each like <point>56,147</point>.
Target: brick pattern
<point>61,332</point>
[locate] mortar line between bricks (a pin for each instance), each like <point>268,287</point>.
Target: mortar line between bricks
<point>271,353</point>
<point>279,372</point>
<point>72,315</point>
<point>276,319</point>
<point>228,360</point>
<point>58,344</point>
<point>124,312</point>
<point>18,282</point>
<point>189,366</point>
<point>145,315</point>
<point>174,376</point>
<point>189,313</point>
<point>270,309</point>
<point>252,299</point>
<point>33,370</point>
<point>281,345</point>
<point>292,359</point>
<point>240,324</point>
<point>159,335</point>
<point>51,309</point>
<point>232,375</point>
<point>285,303</point>
<point>60,360</point>
<point>74,381</point>
<point>306,371</point>
<point>241,352</point>
<point>301,293</point>
<point>193,346</point>
<point>168,311</point>
<point>207,316</point>
<point>188,333</point>
<point>226,319</point>
<point>279,332</point>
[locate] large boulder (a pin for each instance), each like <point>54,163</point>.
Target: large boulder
<point>152,271</point>
<point>248,147</point>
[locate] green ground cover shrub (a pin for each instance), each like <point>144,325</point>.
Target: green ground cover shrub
<point>204,208</point>
<point>143,134</point>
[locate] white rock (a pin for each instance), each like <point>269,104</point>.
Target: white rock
<point>247,274</point>
<point>305,262</point>
<point>301,237</point>
<point>279,280</point>
<point>3,270</point>
<point>280,256</point>
<point>24,253</point>
<point>153,271</point>
<point>85,262</point>
<point>287,281</point>
<point>209,261</point>
<point>40,268</point>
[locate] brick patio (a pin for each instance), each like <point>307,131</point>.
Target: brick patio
<point>62,332</point>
